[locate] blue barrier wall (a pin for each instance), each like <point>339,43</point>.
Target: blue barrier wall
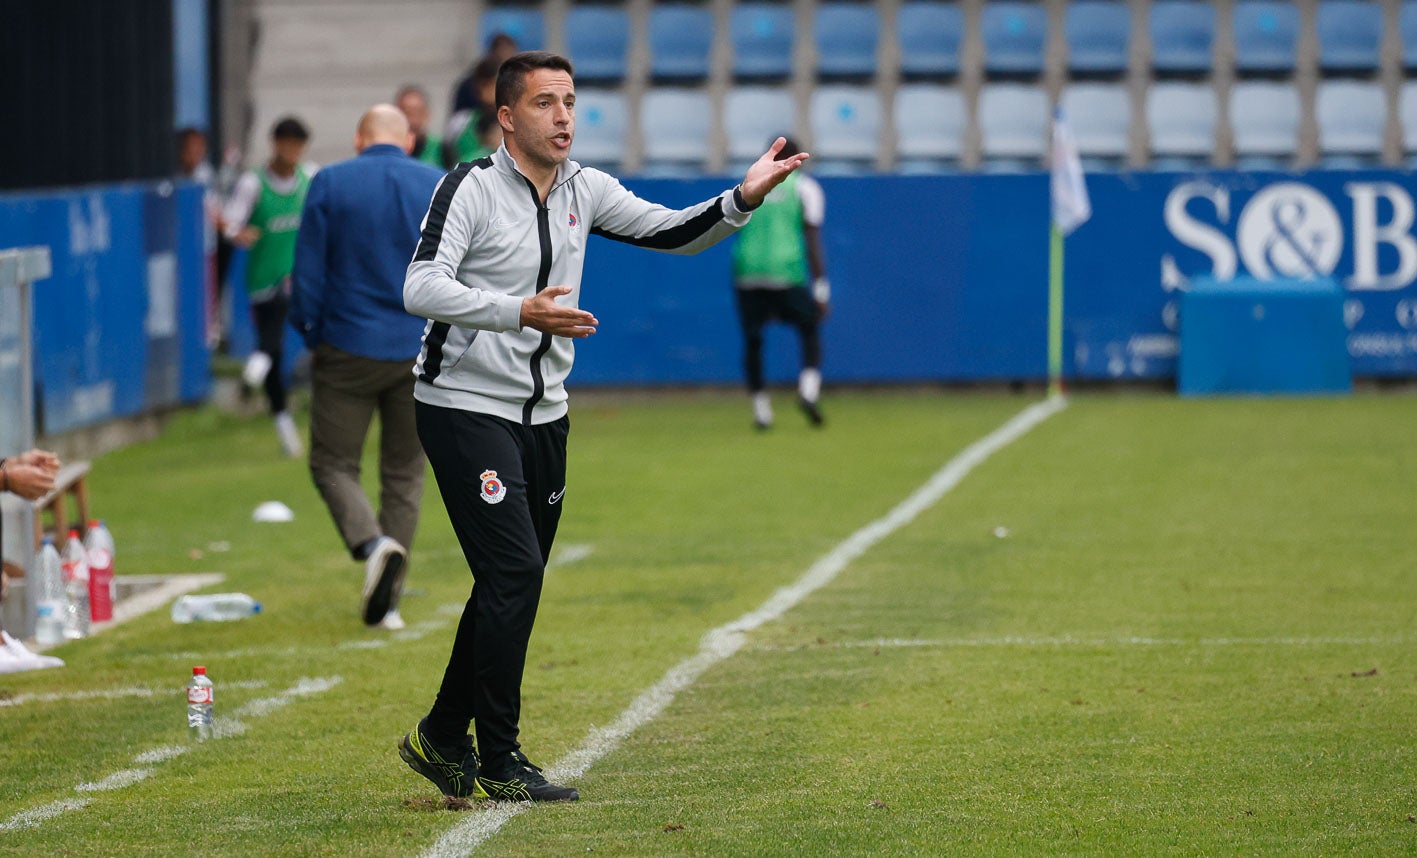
<point>936,278</point>
<point>119,326</point>
<point>945,277</point>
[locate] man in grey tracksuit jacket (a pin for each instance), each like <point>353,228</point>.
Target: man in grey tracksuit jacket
<point>498,274</point>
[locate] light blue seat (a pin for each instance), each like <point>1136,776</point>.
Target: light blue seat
<point>753,116</point>
<point>1350,36</point>
<point>1181,120</point>
<point>1013,125</point>
<point>1266,36</point>
<point>846,36</point>
<point>524,25</point>
<point>597,41</point>
<point>1100,117</point>
<point>1352,116</point>
<point>602,128</point>
<point>929,35</point>
<point>1015,33</point>
<point>762,36</point>
<point>675,125</point>
<point>1099,36</point>
<point>846,124</point>
<point>680,42</point>
<point>1264,118</point>
<point>930,124</point>
<point>1182,37</point>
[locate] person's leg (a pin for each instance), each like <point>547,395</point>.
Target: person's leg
<point>401,460</point>
<point>753,313</point>
<point>477,461</point>
<point>270,338</point>
<point>341,408</point>
<point>800,309</point>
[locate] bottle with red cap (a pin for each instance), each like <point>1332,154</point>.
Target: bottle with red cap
<point>199,704</point>
<point>98,545</point>
<point>77,617</point>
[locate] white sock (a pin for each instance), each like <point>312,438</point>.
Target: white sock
<point>809,384</point>
<point>762,407</point>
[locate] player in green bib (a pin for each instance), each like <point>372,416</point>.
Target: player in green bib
<point>412,101</point>
<point>775,259</point>
<point>263,215</point>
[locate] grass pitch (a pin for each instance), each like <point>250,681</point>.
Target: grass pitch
<point>1150,626</point>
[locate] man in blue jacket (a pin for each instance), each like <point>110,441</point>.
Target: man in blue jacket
<point>357,233</point>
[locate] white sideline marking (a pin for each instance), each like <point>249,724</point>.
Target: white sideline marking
<point>727,639</point>
<point>222,728</point>
<point>112,693</point>
<point>1070,641</point>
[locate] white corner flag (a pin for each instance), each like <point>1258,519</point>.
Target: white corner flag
<point>1071,207</point>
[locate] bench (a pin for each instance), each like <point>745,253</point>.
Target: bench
<point>69,482</point>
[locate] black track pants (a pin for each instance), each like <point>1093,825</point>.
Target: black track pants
<point>502,484</point>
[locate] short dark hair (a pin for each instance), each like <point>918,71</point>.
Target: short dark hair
<point>290,128</point>
<point>789,149</point>
<point>188,132</point>
<point>511,78</point>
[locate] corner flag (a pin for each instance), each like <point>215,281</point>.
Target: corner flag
<point>1070,209</point>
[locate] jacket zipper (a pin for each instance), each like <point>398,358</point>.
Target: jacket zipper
<point>543,275</point>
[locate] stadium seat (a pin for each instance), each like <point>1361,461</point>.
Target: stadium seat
<point>1350,36</point>
<point>846,36</point>
<point>930,124</point>
<point>1352,117</point>
<point>1407,117</point>
<point>1015,34</point>
<point>1264,117</point>
<point>1013,124</point>
<point>1181,118</point>
<point>846,125</point>
<point>1100,117</point>
<point>929,34</point>
<point>1407,26</point>
<point>1266,37</point>
<point>762,35</point>
<point>1182,37</point>
<point>680,42</point>
<point>597,41</point>
<point>675,125</point>
<point>524,25</point>
<point>1099,36</point>
<point>601,127</point>
<point>752,117</point>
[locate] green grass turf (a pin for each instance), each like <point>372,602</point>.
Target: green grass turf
<point>1170,652</point>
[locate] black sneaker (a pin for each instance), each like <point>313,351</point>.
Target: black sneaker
<point>813,412</point>
<point>518,780</point>
<point>454,771</point>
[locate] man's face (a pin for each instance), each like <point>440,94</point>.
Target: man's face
<point>543,121</point>
<point>193,152</point>
<point>416,109</point>
<point>289,151</point>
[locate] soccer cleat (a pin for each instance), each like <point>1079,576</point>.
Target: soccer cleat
<point>518,780</point>
<point>383,580</point>
<point>289,436</point>
<point>814,413</point>
<point>454,772</point>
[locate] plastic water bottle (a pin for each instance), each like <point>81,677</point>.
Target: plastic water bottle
<point>49,595</point>
<point>199,704</point>
<point>214,607</point>
<point>98,545</point>
<point>77,616</point>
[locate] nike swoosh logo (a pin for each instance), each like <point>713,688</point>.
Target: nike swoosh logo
<point>503,223</point>
<point>556,496</point>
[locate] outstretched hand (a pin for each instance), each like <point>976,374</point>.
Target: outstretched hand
<point>768,172</point>
<point>542,313</point>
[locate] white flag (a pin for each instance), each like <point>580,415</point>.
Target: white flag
<point>1071,207</point>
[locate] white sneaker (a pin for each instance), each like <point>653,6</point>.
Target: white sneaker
<point>392,621</point>
<point>289,435</point>
<point>256,368</point>
<point>383,580</point>
<point>15,657</point>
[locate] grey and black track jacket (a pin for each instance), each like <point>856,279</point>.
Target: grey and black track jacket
<point>488,243</point>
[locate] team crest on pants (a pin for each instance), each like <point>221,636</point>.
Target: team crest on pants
<point>492,489</point>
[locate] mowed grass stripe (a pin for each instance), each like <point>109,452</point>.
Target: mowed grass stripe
<point>1275,526</point>
<point>722,642</point>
